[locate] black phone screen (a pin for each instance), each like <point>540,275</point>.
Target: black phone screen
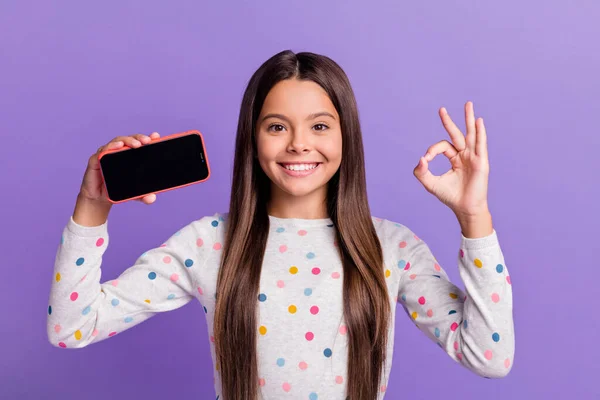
<point>154,167</point>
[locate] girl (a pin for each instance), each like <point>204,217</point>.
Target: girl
<point>298,281</point>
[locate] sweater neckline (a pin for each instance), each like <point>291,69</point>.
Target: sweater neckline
<point>300,222</point>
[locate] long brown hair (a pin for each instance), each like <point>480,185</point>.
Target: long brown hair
<point>366,302</point>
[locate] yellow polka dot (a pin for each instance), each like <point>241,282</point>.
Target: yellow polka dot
<point>414,315</point>
<point>57,276</point>
<point>263,330</point>
<point>292,309</point>
<point>387,273</point>
<point>293,270</point>
<point>78,335</point>
<point>478,263</point>
<point>454,295</point>
<point>147,301</point>
<point>217,366</point>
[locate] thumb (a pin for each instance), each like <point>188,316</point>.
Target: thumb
<point>423,174</point>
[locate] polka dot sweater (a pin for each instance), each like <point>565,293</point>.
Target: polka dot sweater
<point>302,337</point>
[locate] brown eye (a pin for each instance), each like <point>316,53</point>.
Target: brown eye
<point>275,128</point>
<point>323,127</point>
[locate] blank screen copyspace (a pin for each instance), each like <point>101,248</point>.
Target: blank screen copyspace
<point>154,167</point>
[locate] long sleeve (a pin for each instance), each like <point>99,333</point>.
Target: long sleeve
<point>474,328</point>
<point>82,310</point>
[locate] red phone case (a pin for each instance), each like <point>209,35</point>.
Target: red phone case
<point>169,137</point>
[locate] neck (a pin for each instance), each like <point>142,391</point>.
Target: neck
<point>310,206</point>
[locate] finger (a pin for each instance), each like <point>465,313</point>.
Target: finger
<point>423,175</point>
<point>470,122</point>
<point>481,146</point>
<point>455,134</point>
<point>442,146</point>
<point>93,161</point>
<point>154,135</point>
<point>149,199</point>
<point>129,141</point>
<point>144,139</point>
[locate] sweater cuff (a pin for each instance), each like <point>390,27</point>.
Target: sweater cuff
<point>86,231</point>
<point>479,243</point>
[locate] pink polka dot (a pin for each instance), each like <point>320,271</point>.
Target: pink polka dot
<point>167,259</point>
<point>280,284</point>
<point>507,363</point>
<point>286,387</point>
<point>495,297</point>
<point>314,310</point>
<point>200,291</point>
<point>413,276</point>
<point>402,244</point>
<point>95,333</point>
<point>335,275</point>
<point>99,242</point>
<point>212,339</point>
<point>462,253</point>
<point>309,336</point>
<point>61,344</point>
<point>199,242</point>
<point>416,237</point>
<point>316,271</point>
<point>407,266</point>
<point>217,246</point>
<point>112,334</point>
<point>421,300</point>
<point>174,277</point>
<point>83,278</point>
<point>430,313</point>
<point>454,326</point>
<point>261,382</point>
<point>282,248</point>
<point>395,299</point>
<point>74,296</point>
<point>455,345</point>
<point>459,355</point>
<point>335,243</point>
<point>57,328</point>
<point>488,354</point>
<point>383,388</point>
<point>343,329</point>
<point>437,267</point>
<point>115,282</point>
<point>163,245</point>
<point>302,365</point>
<point>508,279</point>
<point>302,232</point>
<point>339,380</point>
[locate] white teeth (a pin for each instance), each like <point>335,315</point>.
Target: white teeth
<point>300,167</point>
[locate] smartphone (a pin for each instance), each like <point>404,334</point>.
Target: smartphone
<point>167,163</point>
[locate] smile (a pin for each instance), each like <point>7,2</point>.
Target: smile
<point>299,170</point>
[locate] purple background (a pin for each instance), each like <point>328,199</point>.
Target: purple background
<point>74,75</point>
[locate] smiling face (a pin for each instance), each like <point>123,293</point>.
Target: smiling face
<point>299,141</point>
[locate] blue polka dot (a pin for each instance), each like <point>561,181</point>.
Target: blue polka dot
<point>279,230</point>
<point>177,233</point>
<point>465,323</point>
<point>327,352</point>
<point>189,263</point>
<point>437,276</point>
<point>499,268</point>
<point>307,291</point>
<point>128,319</point>
<point>330,225</point>
<point>144,254</point>
<point>403,297</point>
<point>49,310</point>
<point>152,275</point>
<point>310,255</point>
<point>171,296</point>
<point>262,297</point>
<point>280,362</point>
<point>496,337</point>
<point>401,264</point>
<point>451,312</point>
<point>62,239</point>
<point>80,261</point>
<point>115,302</point>
<point>313,396</point>
<point>439,344</point>
<point>436,332</point>
<point>221,218</point>
<point>86,310</point>
<point>205,310</point>
<point>215,223</point>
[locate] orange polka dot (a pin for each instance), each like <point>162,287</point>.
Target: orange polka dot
<point>412,276</point>
<point>388,273</point>
<point>77,335</point>
<point>147,301</point>
<point>261,382</point>
<point>293,270</point>
<point>454,295</point>
<point>262,330</point>
<point>58,277</point>
<point>292,309</point>
<point>414,315</point>
<point>478,263</point>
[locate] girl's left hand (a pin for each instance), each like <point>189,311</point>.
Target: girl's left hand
<point>464,187</point>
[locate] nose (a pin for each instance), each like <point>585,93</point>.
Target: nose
<point>300,142</point>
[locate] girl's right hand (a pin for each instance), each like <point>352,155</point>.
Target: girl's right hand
<point>92,202</point>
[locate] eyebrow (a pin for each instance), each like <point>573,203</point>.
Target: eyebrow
<point>311,116</point>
